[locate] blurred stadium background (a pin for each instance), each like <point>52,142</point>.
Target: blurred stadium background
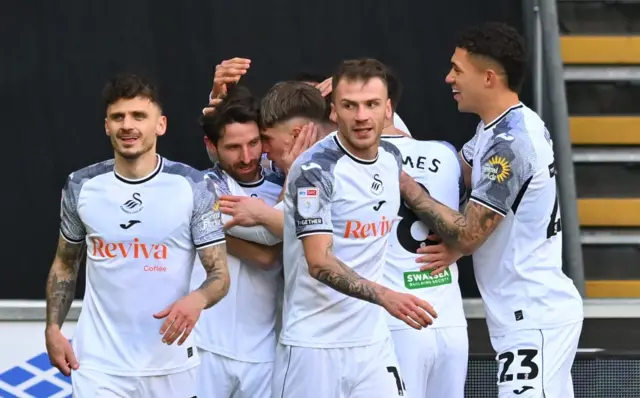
<point>584,80</point>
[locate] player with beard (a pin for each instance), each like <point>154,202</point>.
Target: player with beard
<point>141,219</point>
<point>229,72</point>
<point>512,221</point>
<point>342,197</point>
<point>290,110</point>
<point>237,359</point>
<point>291,121</point>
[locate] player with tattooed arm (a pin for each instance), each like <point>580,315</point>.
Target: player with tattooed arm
<point>511,224</point>
<point>141,219</point>
<point>335,341</point>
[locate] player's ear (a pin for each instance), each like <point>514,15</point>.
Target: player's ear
<point>106,129</point>
<point>388,110</point>
<point>209,145</point>
<point>296,131</point>
<point>490,78</point>
<point>162,125</point>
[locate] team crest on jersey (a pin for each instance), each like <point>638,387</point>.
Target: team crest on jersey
<point>308,201</point>
<point>377,186</point>
<point>133,205</point>
<point>497,169</point>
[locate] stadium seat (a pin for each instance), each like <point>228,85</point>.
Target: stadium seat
<point>609,212</point>
<point>605,130</point>
<point>613,288</point>
<point>594,50</point>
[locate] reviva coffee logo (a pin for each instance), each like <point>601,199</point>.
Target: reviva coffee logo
<point>130,250</point>
<point>356,229</point>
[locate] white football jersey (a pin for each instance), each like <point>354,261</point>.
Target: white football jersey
<point>399,124</point>
<point>435,166</point>
<point>330,191</point>
<point>519,267</point>
<point>242,325</point>
<point>141,238</point>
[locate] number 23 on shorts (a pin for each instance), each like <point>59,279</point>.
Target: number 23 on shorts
<point>519,369</point>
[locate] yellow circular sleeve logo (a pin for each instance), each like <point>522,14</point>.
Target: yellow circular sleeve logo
<point>501,169</point>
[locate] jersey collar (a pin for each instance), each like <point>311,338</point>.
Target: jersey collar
<point>352,156</point>
<point>503,115</point>
<point>142,180</point>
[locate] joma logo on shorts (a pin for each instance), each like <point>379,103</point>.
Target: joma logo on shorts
<point>361,230</point>
<point>134,250</point>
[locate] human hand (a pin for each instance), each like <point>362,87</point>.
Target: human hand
<point>181,317</point>
<point>245,211</point>
<point>325,87</point>
<point>60,351</point>
<point>228,72</point>
<point>305,139</point>
<point>436,257</point>
<point>413,311</point>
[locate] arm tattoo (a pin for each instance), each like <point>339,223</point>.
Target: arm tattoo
<point>462,232</point>
<point>214,261</point>
<point>61,283</point>
<point>343,279</point>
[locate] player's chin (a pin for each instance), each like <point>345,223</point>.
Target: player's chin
<point>128,152</point>
<point>245,172</point>
<point>463,107</point>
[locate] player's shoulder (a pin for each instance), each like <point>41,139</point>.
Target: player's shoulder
<point>441,149</point>
<point>192,174</point>
<point>322,156</point>
<point>391,148</point>
<point>198,180</point>
<point>79,177</point>
<point>273,177</point>
<point>516,129</point>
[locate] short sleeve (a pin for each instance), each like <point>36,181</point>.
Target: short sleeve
<point>310,189</point>
<point>71,226</point>
<point>506,167</point>
<point>468,149</point>
<point>206,223</point>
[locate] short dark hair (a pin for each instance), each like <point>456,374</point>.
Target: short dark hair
<point>129,86</point>
<point>360,69</point>
<point>287,100</point>
<point>310,77</point>
<point>501,43</point>
<point>394,86</point>
<point>238,106</point>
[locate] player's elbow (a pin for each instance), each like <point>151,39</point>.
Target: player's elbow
<point>466,248</point>
<point>269,258</point>
<point>226,284</point>
<point>315,268</point>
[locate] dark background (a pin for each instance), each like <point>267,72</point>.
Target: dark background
<point>57,57</point>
